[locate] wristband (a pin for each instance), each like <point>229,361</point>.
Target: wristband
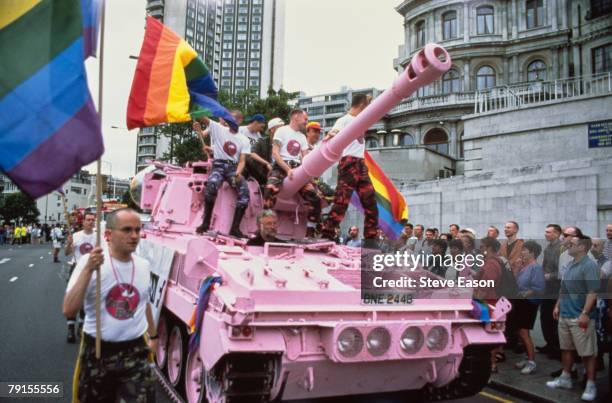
<point>154,337</point>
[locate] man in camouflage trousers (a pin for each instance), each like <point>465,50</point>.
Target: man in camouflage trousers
<point>288,150</point>
<point>353,176</point>
<point>230,150</point>
<point>125,370</point>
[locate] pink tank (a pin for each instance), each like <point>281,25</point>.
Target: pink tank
<point>287,320</point>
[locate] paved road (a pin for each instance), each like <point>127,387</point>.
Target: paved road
<point>33,331</point>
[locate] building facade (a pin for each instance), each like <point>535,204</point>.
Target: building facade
<point>241,42</point>
<point>529,81</point>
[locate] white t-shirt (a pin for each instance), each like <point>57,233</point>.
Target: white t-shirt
<point>357,147</point>
<point>227,146</point>
<point>252,137</point>
<point>82,243</point>
<point>57,236</point>
<point>292,143</point>
<point>123,310</point>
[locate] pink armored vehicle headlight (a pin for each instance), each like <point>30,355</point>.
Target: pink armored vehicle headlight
<point>350,342</point>
<point>411,340</point>
<point>437,338</point>
<point>378,341</point>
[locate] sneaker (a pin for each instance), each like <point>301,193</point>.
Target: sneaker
<point>521,364</point>
<point>560,383</point>
<point>590,392</point>
<point>529,367</point>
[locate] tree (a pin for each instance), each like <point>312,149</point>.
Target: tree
<point>19,207</point>
<point>185,145</point>
<point>277,104</point>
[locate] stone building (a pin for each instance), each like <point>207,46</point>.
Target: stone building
<point>509,124</point>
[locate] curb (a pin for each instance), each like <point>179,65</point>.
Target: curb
<point>520,393</point>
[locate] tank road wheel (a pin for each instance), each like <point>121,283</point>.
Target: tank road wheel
<point>474,373</point>
<point>177,347</point>
<point>161,357</point>
<point>194,378</point>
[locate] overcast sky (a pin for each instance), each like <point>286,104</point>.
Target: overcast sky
<point>328,44</point>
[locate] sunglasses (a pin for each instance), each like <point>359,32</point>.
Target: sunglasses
<point>568,235</point>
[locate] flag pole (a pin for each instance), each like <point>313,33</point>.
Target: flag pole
<point>99,184</point>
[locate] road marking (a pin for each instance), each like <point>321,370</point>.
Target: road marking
<point>494,397</point>
<point>31,265</point>
<point>13,279</point>
<point>4,260</point>
<point>42,257</point>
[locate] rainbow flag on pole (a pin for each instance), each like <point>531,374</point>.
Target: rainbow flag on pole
<point>171,83</point>
<point>392,207</point>
<point>49,127</point>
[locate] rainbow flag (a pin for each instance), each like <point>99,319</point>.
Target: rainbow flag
<point>392,207</point>
<point>91,24</point>
<point>49,127</point>
<point>171,83</point>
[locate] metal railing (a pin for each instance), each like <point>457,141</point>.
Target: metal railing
<point>415,103</point>
<point>522,94</point>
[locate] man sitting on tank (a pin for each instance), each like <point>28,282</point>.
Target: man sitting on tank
<point>267,228</point>
<point>288,150</point>
<point>230,151</point>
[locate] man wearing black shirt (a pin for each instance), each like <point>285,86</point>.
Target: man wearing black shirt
<point>259,163</point>
<point>267,227</point>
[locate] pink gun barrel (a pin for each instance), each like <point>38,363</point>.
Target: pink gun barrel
<point>428,65</point>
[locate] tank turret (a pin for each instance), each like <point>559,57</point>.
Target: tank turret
<point>428,65</point>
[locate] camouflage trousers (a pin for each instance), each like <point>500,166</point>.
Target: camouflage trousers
<point>224,170</point>
<point>308,193</point>
<point>353,176</point>
<point>120,373</point>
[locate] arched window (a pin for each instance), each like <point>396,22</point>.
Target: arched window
<point>485,78</point>
<point>536,71</point>
<point>420,34</point>
<point>406,140</point>
<point>451,82</point>
<point>484,20</point>
<point>600,7</point>
<point>535,13</point>
<point>449,25</point>
<point>461,147</point>
<point>372,142</point>
<point>436,139</point>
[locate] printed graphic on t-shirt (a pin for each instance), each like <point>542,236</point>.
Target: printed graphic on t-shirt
<point>122,301</point>
<point>293,147</point>
<point>229,148</point>
<point>85,248</point>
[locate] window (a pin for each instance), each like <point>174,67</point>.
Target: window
<point>406,140</point>
<point>226,83</point>
<point>602,59</point>
<point>254,55</point>
<point>242,28</point>
<point>485,78</point>
<point>255,45</point>
<point>241,63</point>
<point>420,34</point>
<point>227,45</point>
<point>243,19</point>
<point>255,37</point>
<point>535,13</point>
<point>241,45</point>
<point>228,37</point>
<point>371,142</point>
<point>227,55</point>
<point>239,83</point>
<point>243,10</point>
<point>254,73</point>
<point>600,7</point>
<point>241,55</point>
<point>226,73</point>
<point>436,139</point>
<point>536,71</point>
<point>484,20</point>
<point>256,10</point>
<point>256,28</point>
<point>451,82</point>
<point>257,19</point>
<point>253,83</point>
<point>449,25</point>
<point>254,63</point>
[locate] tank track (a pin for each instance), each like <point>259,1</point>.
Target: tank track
<point>165,384</point>
<point>247,377</point>
<point>474,373</point>
<point>243,378</point>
